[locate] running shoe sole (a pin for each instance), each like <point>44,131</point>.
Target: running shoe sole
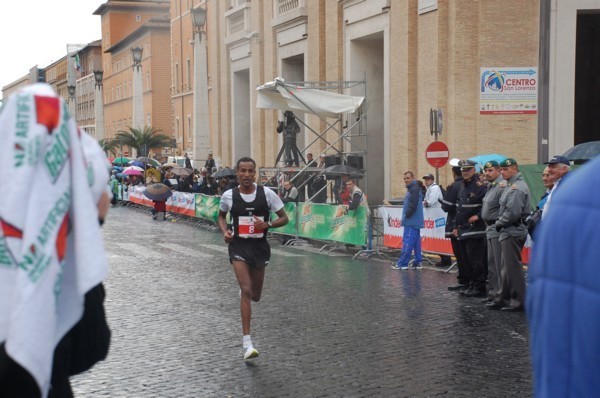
<point>251,353</point>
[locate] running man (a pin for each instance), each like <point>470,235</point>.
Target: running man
<point>249,252</point>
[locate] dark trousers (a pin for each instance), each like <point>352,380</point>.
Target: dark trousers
<point>464,275</point>
<point>474,255</point>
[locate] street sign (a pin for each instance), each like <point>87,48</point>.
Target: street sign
<point>437,154</point>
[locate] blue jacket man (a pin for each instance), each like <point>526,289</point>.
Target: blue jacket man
<point>563,297</point>
<point>412,222</point>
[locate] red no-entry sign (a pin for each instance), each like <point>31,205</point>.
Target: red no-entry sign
<point>437,154</point>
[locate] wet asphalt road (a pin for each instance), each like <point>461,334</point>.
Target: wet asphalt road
<point>327,326</point>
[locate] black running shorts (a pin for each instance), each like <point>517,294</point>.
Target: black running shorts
<point>254,252</point>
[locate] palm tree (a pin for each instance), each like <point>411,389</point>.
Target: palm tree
<point>143,140</point>
<point>108,146</point>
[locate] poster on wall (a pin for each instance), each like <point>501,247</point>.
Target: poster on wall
<point>508,91</point>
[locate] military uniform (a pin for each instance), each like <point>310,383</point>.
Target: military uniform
<point>471,235</point>
<point>514,208</point>
<point>489,214</point>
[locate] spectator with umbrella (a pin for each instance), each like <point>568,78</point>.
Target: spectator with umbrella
<point>158,193</point>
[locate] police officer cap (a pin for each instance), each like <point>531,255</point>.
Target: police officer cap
<point>466,164</point>
<point>508,162</point>
<point>490,164</point>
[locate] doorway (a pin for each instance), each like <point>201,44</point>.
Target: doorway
<point>587,79</point>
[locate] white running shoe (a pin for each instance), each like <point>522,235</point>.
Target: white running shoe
<point>250,353</point>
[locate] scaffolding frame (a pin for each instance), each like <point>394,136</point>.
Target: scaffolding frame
<point>346,125</point>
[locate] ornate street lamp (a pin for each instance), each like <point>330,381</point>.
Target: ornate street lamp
<point>136,52</point>
<point>71,90</point>
<point>98,77</point>
<point>201,133</point>
<point>199,18</point>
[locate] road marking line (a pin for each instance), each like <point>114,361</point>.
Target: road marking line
<point>186,250</point>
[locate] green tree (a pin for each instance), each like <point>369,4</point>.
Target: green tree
<point>143,140</point>
<point>109,146</point>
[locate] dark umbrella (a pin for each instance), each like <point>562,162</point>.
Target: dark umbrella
<point>157,192</point>
<point>136,163</point>
<point>226,172</point>
<point>181,171</point>
<point>342,170</point>
<point>584,151</point>
<point>148,161</point>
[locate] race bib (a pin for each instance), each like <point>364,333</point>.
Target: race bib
<point>246,227</point>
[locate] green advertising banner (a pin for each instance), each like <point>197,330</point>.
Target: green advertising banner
<point>290,227</point>
<point>329,222</point>
<point>207,207</point>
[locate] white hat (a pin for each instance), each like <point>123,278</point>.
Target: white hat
<point>454,162</point>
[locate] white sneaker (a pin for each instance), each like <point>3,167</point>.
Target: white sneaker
<point>250,353</point>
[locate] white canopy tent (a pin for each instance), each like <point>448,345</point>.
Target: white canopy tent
<point>314,98</point>
<point>281,96</point>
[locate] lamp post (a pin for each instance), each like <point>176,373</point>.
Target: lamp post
<point>138,101</point>
<point>72,108</point>
<point>99,105</point>
<point>201,134</point>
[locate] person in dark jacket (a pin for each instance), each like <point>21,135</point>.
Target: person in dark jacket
<point>469,229</point>
<point>449,206</point>
<point>412,222</point>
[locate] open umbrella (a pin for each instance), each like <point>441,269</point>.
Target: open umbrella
<point>148,161</point>
<point>226,172</point>
<point>157,192</point>
<point>132,172</point>
<point>133,168</point>
<point>136,163</point>
<point>583,152</point>
<point>169,165</point>
<point>121,161</point>
<point>342,170</point>
<point>181,171</point>
<point>483,159</point>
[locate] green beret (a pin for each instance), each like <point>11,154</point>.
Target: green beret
<point>508,162</point>
<point>490,164</point>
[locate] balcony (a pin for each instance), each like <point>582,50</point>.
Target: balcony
<point>286,11</point>
<point>238,22</point>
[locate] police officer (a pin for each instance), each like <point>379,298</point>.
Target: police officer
<point>514,208</point>
<point>469,229</point>
<point>449,206</point>
<point>489,213</point>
